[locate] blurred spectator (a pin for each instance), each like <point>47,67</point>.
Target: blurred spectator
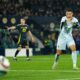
<point>52,25</point>
<point>77,41</point>
<point>48,43</point>
<point>76,36</point>
<point>7,42</point>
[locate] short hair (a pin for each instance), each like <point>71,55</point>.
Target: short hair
<point>22,18</point>
<point>68,10</point>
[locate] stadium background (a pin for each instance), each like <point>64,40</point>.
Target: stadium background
<point>43,17</point>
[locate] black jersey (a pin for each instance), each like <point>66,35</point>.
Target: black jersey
<point>23,29</point>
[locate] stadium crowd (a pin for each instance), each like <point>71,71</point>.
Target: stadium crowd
<point>38,7</point>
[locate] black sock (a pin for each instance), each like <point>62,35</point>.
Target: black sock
<point>16,53</point>
<point>27,52</point>
<point>56,57</point>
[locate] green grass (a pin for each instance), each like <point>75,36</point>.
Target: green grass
<point>39,68</point>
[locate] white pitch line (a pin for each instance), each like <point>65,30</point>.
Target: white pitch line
<point>66,71</point>
<point>69,79</point>
<point>62,79</point>
<point>74,78</point>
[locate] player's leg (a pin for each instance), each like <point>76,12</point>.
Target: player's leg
<point>72,46</point>
<point>74,56</point>
<point>16,53</point>
<point>27,52</point>
<point>57,55</point>
<point>58,52</point>
<point>61,45</point>
<point>26,43</point>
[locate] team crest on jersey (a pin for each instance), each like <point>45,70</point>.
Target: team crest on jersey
<point>24,30</point>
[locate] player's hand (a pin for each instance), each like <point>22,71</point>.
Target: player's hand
<point>7,28</point>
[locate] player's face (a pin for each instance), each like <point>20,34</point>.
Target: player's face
<point>22,21</point>
<point>69,14</point>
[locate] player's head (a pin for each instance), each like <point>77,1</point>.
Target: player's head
<point>22,21</point>
<point>69,13</point>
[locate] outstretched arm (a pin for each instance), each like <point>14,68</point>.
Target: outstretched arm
<point>32,38</point>
<point>11,28</point>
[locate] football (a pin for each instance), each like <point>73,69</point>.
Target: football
<point>4,64</point>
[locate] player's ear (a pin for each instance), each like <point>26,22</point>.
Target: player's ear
<point>72,14</point>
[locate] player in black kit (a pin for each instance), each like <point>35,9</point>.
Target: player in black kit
<point>23,29</point>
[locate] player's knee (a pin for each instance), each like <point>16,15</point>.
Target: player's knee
<point>73,48</point>
<point>58,52</point>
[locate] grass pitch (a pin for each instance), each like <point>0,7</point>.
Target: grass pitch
<point>40,68</point>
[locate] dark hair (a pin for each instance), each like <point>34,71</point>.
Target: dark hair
<point>22,18</point>
<point>68,10</point>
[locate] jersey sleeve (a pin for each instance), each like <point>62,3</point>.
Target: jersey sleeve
<point>75,20</point>
<point>28,28</point>
<point>63,21</point>
<point>17,26</point>
<point>76,24</point>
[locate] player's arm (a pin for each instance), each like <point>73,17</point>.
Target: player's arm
<point>76,26</point>
<point>62,23</point>
<point>11,28</point>
<point>32,38</point>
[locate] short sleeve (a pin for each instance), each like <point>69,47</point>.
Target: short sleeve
<point>62,22</point>
<point>63,19</point>
<point>28,28</point>
<point>75,20</point>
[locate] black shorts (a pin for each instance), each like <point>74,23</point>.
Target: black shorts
<point>23,43</point>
